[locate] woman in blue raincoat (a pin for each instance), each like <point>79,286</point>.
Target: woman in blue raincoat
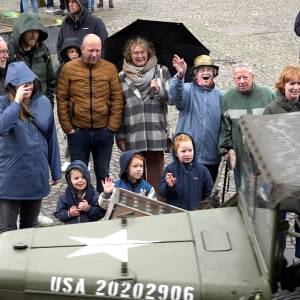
<point>28,146</point>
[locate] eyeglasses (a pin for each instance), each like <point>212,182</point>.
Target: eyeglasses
<point>137,53</point>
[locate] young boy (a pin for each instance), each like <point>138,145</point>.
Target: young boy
<point>70,50</point>
<point>79,203</point>
<point>185,181</point>
<point>131,173</point>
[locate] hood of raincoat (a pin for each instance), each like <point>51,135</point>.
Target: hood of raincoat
<point>173,151</point>
<point>125,158</point>
<point>18,73</point>
<point>68,43</point>
<point>25,23</point>
<point>82,167</point>
<point>82,4</point>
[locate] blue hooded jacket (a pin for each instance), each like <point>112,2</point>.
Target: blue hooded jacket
<point>193,183</point>
<point>139,187</point>
<point>199,116</point>
<point>70,198</point>
<point>27,147</point>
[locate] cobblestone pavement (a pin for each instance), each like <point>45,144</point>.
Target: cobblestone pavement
<point>258,32</point>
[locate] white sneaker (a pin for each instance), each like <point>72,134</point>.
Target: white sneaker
<point>44,221</point>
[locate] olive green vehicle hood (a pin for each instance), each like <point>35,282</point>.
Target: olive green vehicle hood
<point>193,255</point>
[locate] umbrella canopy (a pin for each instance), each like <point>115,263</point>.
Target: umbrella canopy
<point>168,38</point>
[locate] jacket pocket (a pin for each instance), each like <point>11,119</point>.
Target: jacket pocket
<point>72,109</point>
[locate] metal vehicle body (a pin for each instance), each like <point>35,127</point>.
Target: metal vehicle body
<point>232,252</point>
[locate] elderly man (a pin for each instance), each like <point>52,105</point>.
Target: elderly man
<point>199,104</point>
<point>246,98</point>
<point>90,105</point>
<point>79,23</point>
<point>3,63</point>
<point>28,46</point>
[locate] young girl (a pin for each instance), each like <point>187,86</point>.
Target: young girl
<point>79,203</point>
<point>185,181</point>
<point>131,173</point>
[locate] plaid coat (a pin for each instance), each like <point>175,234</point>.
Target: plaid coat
<point>144,125</point>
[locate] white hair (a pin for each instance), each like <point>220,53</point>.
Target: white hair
<point>242,65</point>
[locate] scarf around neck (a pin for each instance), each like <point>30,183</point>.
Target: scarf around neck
<point>141,76</point>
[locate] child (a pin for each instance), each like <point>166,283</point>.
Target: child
<point>131,173</point>
<point>80,200</point>
<point>185,181</point>
<point>70,50</point>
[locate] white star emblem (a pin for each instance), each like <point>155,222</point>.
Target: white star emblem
<point>115,245</point>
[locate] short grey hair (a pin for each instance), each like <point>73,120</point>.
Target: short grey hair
<point>2,39</point>
<point>242,65</point>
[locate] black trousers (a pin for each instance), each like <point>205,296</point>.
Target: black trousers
<point>10,209</point>
<point>213,170</point>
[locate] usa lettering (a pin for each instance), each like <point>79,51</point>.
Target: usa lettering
<point>122,289</point>
<point>67,285</point>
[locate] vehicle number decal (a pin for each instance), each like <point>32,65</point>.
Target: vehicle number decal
<point>123,289</point>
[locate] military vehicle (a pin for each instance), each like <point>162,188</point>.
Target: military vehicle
<point>232,252</point>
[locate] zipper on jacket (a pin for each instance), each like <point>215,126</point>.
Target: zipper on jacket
<point>91,98</point>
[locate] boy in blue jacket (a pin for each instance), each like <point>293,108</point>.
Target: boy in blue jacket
<point>79,203</point>
<point>185,182</point>
<point>131,178</point>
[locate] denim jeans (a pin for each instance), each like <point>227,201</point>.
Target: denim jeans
<point>91,5</point>
<point>99,142</point>
<point>10,209</point>
<point>25,4</point>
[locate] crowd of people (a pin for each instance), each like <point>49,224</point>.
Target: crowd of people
<point>51,8</point>
<point>97,105</point>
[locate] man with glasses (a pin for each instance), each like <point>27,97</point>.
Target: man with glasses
<point>3,63</point>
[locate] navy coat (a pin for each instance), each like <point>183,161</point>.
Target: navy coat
<point>27,147</point>
<point>193,184</point>
<point>69,198</point>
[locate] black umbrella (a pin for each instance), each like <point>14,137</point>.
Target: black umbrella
<point>168,38</point>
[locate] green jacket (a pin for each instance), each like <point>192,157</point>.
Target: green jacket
<point>234,105</point>
<point>38,59</point>
<point>281,105</point>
